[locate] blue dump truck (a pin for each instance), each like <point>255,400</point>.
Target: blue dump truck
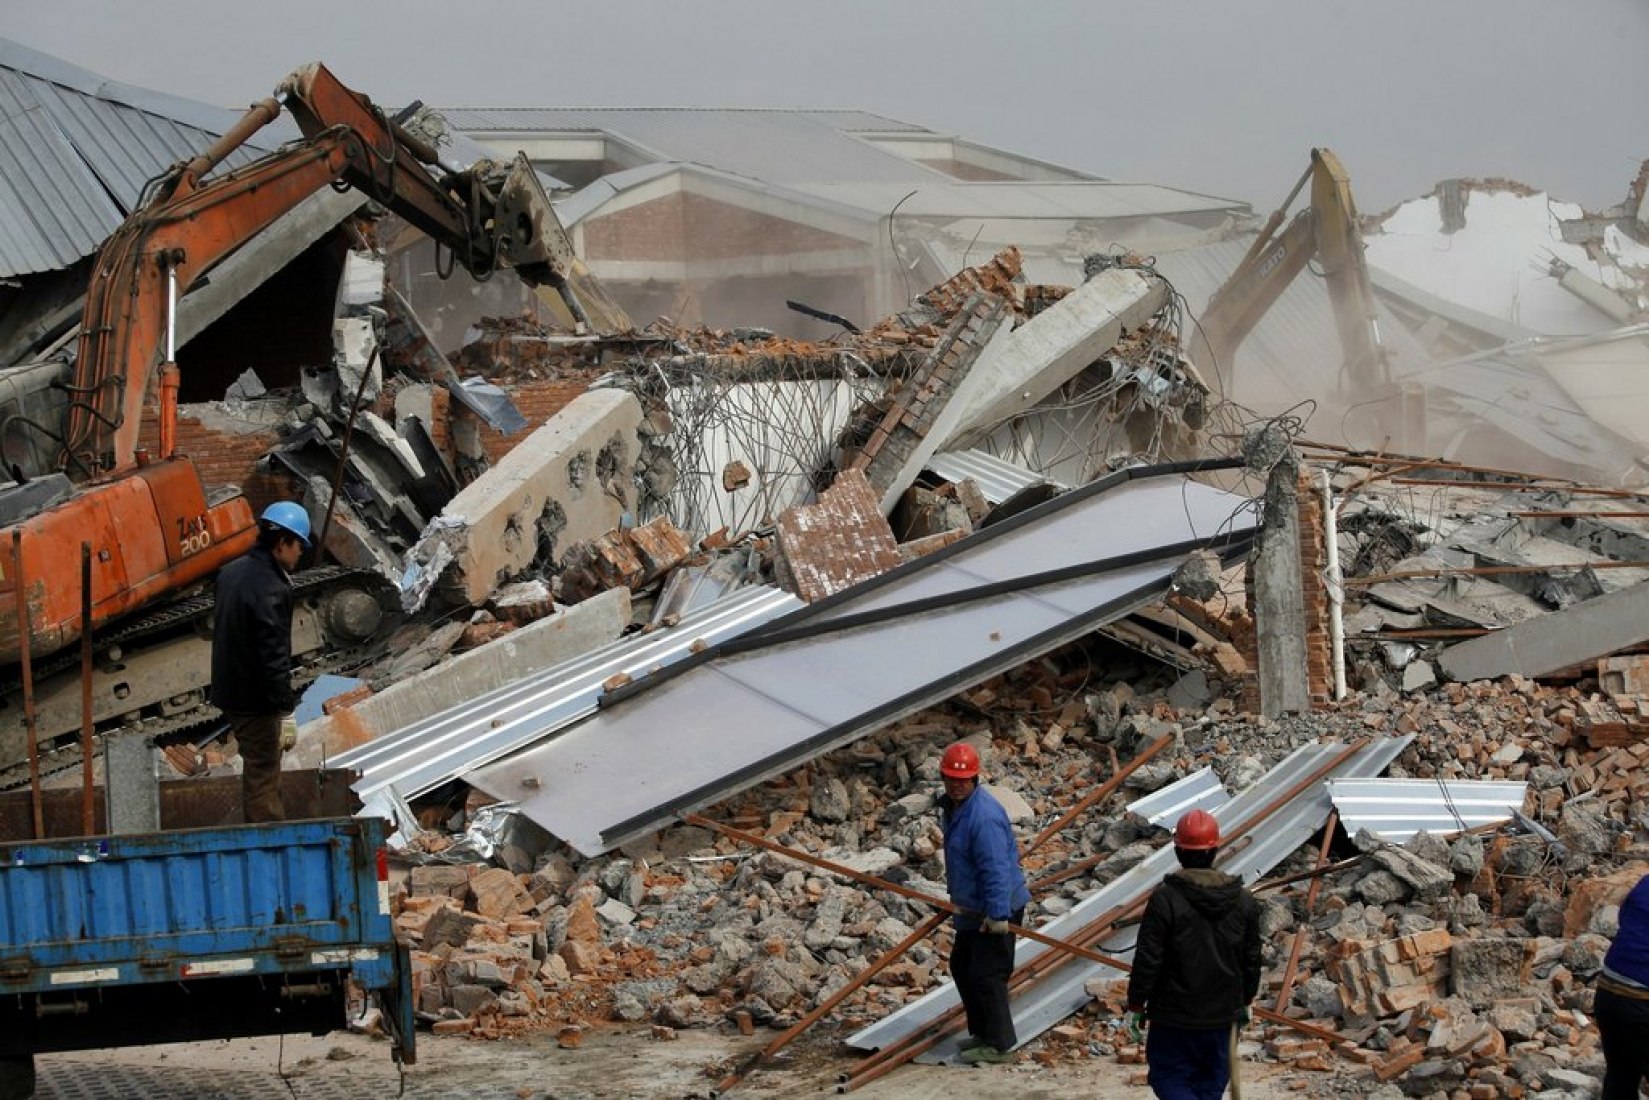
<point>189,934</point>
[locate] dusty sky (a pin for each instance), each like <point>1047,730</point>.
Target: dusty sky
<point>1216,96</point>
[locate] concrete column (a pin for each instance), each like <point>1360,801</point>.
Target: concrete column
<point>1275,573</point>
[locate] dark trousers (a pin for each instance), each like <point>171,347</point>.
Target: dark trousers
<point>259,739</point>
<point>980,963</point>
<point>1188,1063</point>
<point>1623,1023</point>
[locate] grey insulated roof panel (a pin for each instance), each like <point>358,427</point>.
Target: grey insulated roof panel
<point>755,707</point>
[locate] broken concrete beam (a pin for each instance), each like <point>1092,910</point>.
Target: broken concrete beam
<point>836,543</point>
<point>1578,634</point>
<point>522,652</point>
<point>569,481</point>
<point>1055,346</point>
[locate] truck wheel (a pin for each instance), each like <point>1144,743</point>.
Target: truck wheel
<point>17,1077</point>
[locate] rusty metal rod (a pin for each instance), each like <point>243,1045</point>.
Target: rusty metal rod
<point>88,820</point>
<point>1287,986</point>
<point>913,1045</point>
<point>1491,570</point>
<point>25,628</point>
<point>933,922</point>
<point>1520,487</point>
<point>1352,457</point>
<point>1579,515</point>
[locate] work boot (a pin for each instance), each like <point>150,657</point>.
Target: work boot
<point>984,1054</point>
<point>971,1042</point>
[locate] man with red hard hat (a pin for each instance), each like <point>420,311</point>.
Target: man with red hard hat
<point>986,884</point>
<point>1196,968</point>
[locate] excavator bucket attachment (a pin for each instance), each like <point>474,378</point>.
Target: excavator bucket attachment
<point>538,247</point>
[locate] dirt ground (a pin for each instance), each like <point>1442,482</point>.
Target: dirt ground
<point>625,1062</point>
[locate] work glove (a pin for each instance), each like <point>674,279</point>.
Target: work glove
<point>1136,1026</point>
<point>995,927</point>
<point>1242,1017</point>
<point>289,733</point>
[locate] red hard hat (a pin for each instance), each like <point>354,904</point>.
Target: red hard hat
<point>1197,831</point>
<point>959,762</point>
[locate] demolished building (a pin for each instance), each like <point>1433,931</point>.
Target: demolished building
<point>721,572</point>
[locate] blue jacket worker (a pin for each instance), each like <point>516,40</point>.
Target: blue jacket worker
<point>1622,1000</point>
<point>986,884</point>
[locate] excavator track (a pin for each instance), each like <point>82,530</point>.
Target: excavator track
<point>172,638</point>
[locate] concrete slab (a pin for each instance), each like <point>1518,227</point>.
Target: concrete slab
<point>570,481</point>
<point>523,652</point>
<point>1055,346</point>
<point>1556,640</point>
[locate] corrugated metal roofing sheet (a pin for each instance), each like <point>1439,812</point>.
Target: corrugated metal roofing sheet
<point>449,744</point>
<point>1397,809</point>
<point>773,145</point>
<point>851,663</point>
<point>1201,790</point>
<point>76,150</point>
<point>997,478</point>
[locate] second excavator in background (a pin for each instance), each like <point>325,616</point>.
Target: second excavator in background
<point>1326,232</point>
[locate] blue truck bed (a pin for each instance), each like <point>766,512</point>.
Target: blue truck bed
<point>200,933</point>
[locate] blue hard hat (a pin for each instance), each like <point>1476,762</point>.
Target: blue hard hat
<point>288,517</point>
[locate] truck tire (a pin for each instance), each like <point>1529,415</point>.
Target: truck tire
<point>17,1077</point>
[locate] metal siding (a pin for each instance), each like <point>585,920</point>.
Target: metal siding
<point>74,157</point>
<point>52,211</point>
<point>1201,790</point>
<point>1397,809</point>
<point>997,479</point>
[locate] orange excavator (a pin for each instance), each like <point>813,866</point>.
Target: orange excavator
<point>153,529</point>
<point>1325,231</point>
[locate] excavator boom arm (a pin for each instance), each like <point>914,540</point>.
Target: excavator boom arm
<point>1327,231</point>
<point>125,332</point>
<point>191,225</point>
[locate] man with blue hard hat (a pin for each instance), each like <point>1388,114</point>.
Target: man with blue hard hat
<point>252,655</point>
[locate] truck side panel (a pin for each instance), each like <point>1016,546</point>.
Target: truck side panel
<point>163,900</point>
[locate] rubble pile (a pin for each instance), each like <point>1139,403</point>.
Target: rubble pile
<point>1443,963</point>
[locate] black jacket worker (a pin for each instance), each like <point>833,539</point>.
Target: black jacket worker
<point>252,654</point>
<point>1196,967</point>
